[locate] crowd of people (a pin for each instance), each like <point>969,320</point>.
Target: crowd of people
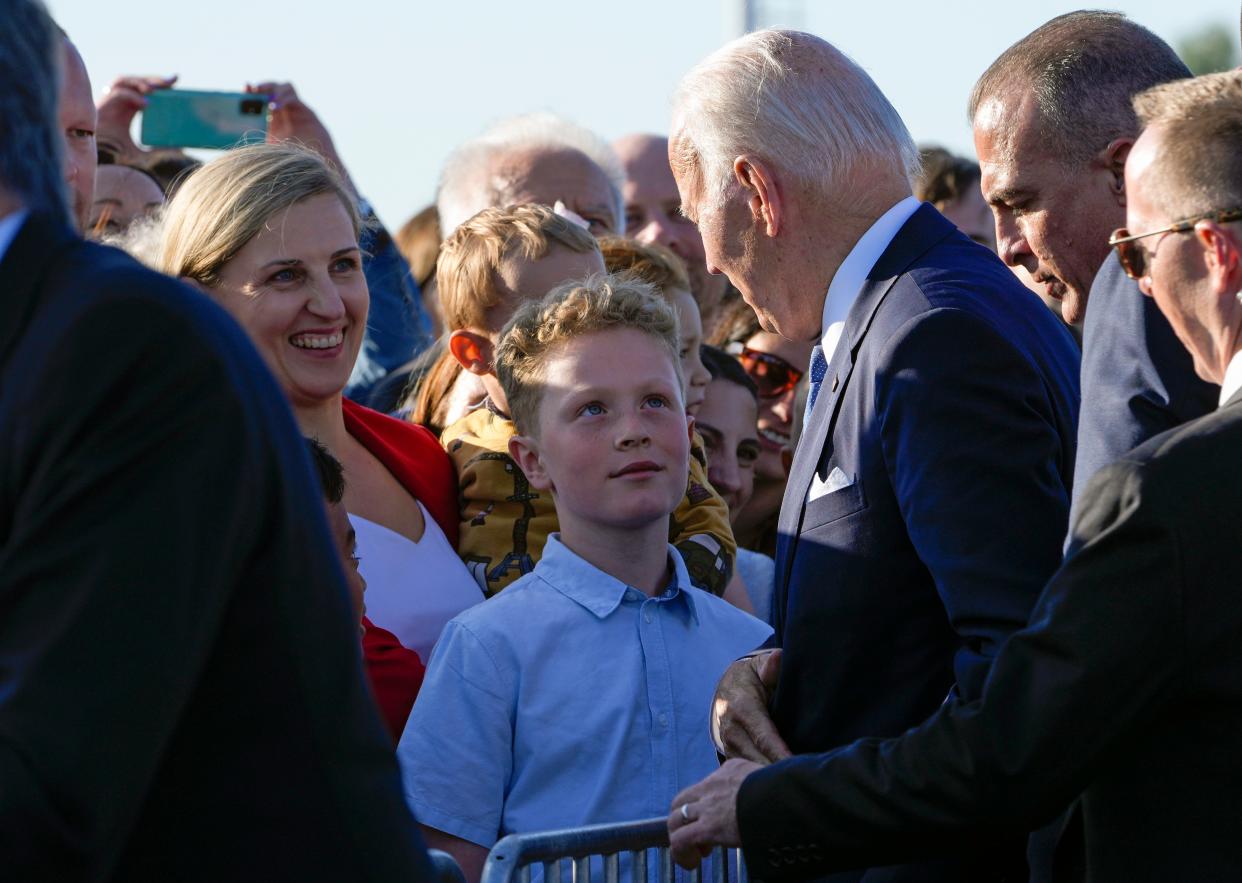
<point>853,503</point>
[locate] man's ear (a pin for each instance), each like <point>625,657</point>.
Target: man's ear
<point>524,449</point>
<point>472,351</point>
<point>1113,158</point>
<point>762,192</point>
<point>1222,256</point>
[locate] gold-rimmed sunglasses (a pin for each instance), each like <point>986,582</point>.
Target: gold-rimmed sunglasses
<point>1134,257</point>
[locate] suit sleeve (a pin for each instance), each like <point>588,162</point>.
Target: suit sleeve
<point>1103,653</point>
<point>140,482</point>
<point>974,459</point>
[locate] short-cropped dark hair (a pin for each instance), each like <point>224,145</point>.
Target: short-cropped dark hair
<point>1084,68</point>
<point>329,469</point>
<point>723,366</point>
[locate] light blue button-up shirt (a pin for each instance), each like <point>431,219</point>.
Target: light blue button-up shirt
<point>569,699</point>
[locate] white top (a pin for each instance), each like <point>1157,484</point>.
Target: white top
<point>1233,378</point>
<point>413,589</point>
<point>852,274</point>
<point>10,224</point>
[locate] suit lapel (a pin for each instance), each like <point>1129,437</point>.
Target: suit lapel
<point>925,228</point>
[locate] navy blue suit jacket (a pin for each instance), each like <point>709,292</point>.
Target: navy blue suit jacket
<point>181,687</point>
<point>951,404</point>
<point>1126,686</point>
<point>1137,378</point>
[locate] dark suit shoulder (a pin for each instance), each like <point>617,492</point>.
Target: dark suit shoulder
<point>1176,474</point>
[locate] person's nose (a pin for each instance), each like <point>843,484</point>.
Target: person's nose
<point>782,408</point>
<point>656,230</point>
<point>632,432</point>
<point>724,474</point>
<point>326,300</point>
<point>1011,243</point>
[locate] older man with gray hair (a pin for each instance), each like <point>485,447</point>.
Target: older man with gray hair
<point>539,158</point>
<point>1127,684</point>
<point>930,492</point>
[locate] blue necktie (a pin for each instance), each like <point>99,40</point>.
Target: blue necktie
<point>819,367</point>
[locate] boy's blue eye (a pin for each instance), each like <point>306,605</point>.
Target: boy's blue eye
<point>657,401</point>
<point>594,409</point>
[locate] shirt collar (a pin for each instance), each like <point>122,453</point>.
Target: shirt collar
<point>582,582</point>
<point>852,274</point>
<point>1233,378</point>
<point>10,225</point>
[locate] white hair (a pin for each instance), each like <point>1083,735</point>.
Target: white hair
<point>792,99</point>
<point>466,183</point>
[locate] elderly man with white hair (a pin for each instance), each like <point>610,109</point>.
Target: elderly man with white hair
<point>930,492</point>
<point>534,158</point>
<point>1127,684</point>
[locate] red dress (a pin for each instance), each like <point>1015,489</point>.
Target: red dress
<point>417,461</point>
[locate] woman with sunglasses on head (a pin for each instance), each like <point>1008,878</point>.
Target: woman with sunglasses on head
<point>777,366</point>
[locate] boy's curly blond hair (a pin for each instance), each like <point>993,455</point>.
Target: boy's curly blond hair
<point>568,311</point>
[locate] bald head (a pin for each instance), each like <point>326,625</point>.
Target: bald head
<point>653,214</point>
<point>535,158</point>
<point>77,123</point>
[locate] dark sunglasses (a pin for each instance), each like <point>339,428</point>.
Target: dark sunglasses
<point>1134,257</point>
<point>772,375</point>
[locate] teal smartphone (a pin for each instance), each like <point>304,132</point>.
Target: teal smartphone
<point>187,118</point>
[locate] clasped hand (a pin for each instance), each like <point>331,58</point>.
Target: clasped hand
<point>704,815</point>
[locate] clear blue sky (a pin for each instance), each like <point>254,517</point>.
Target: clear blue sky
<point>400,82</point>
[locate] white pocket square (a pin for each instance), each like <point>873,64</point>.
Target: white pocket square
<point>835,481</point>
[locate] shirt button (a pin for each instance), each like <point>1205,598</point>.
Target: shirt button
<point>664,720</point>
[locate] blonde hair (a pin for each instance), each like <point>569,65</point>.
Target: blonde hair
<point>600,303</point>
<point>1199,166</point>
<point>467,270</point>
<point>225,203</point>
<point>653,264</point>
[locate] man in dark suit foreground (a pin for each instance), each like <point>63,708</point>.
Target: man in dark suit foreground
<point>181,694</point>
<point>929,494</point>
<point>1125,684</point>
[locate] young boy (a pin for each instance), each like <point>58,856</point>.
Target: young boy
<point>395,672</point>
<point>491,265</point>
<point>580,694</point>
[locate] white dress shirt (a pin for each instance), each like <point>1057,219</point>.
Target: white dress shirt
<point>9,226</point>
<point>1233,378</point>
<point>852,274</point>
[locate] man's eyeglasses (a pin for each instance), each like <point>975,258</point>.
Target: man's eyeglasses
<point>772,375</point>
<point>1134,257</point>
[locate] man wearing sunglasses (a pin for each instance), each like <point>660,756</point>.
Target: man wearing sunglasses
<point>1052,125</point>
<point>1127,683</point>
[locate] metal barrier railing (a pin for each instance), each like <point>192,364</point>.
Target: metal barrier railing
<point>445,867</point>
<point>511,860</point>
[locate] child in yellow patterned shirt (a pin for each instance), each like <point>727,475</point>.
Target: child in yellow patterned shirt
<point>488,267</point>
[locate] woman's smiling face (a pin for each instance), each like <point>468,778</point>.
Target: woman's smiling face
<point>299,291</point>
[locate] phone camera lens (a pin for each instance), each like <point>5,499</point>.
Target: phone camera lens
<point>253,106</point>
